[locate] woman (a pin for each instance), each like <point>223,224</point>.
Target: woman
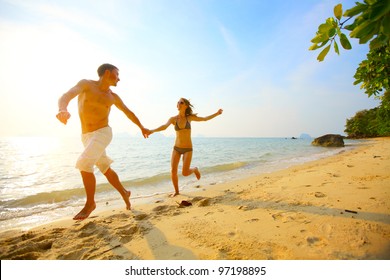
<point>183,143</point>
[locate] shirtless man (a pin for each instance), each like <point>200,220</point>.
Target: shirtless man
<point>95,99</point>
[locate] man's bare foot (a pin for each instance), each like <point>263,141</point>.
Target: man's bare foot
<point>197,173</point>
<point>126,198</point>
<point>85,212</point>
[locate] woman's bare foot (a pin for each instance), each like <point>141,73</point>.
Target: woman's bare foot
<point>174,194</point>
<point>85,212</point>
<point>197,173</point>
<point>126,198</point>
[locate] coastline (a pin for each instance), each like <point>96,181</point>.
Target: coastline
<point>333,208</point>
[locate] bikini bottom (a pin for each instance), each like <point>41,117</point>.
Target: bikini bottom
<point>182,151</point>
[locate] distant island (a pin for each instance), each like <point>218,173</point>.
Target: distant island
<point>305,136</point>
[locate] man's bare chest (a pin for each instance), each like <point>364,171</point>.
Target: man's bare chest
<point>96,99</point>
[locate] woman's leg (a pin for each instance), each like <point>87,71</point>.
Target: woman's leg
<point>187,170</point>
<point>175,159</point>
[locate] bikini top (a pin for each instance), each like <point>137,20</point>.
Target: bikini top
<point>188,126</point>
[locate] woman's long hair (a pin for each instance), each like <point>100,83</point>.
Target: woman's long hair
<point>189,111</point>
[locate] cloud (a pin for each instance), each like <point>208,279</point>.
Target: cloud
<point>230,41</point>
<point>68,15</point>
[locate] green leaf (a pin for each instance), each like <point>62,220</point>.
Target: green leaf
<point>322,54</point>
<point>370,2</point>
<point>345,42</point>
<point>356,82</point>
<point>379,41</point>
<point>324,28</point>
<point>313,47</point>
<point>316,46</point>
<point>351,27</point>
<point>374,44</point>
<point>338,11</point>
<point>336,48</point>
<point>374,31</point>
<point>379,10</point>
<point>319,38</point>
<point>386,25</point>
<point>363,29</point>
<point>380,69</point>
<point>331,32</point>
<point>355,10</point>
<point>331,22</point>
<point>338,30</point>
<point>368,33</point>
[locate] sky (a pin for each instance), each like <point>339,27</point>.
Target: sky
<point>248,57</point>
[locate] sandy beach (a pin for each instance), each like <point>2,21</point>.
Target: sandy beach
<point>331,209</point>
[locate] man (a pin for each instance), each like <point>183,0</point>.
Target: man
<point>95,99</point>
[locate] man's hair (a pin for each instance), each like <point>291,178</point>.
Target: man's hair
<point>106,66</point>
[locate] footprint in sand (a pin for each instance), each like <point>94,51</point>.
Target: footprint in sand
<point>286,217</point>
<point>326,229</point>
<point>163,209</point>
<point>277,216</point>
<point>246,207</point>
<point>121,216</point>
<point>140,217</point>
<point>197,198</point>
<point>311,240</point>
<point>204,202</point>
<point>87,230</point>
<point>319,194</point>
<point>125,235</point>
<point>127,230</point>
<point>252,220</point>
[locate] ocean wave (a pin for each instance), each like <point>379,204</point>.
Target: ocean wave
<point>44,198</point>
<point>225,167</point>
<point>58,196</point>
<point>21,212</point>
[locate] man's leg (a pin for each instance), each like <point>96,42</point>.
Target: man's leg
<point>113,179</point>
<point>89,181</point>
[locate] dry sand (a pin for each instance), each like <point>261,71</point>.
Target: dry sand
<point>334,208</point>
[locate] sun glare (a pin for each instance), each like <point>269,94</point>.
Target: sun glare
<point>33,146</point>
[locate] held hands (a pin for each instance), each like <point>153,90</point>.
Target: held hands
<point>63,116</point>
<point>145,132</point>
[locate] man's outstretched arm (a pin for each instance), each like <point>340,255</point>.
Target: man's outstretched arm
<point>63,114</point>
<point>130,115</point>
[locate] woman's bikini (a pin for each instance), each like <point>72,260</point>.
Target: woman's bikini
<point>177,128</point>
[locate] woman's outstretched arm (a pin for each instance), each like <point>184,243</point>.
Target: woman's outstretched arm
<point>162,127</point>
<point>203,119</point>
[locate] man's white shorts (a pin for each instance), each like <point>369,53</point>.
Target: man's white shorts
<point>95,144</point>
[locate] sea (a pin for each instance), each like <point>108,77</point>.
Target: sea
<point>39,183</point>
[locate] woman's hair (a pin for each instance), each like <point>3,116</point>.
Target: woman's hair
<point>189,111</point>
